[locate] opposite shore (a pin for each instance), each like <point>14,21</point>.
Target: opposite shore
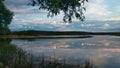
<point>54,34</point>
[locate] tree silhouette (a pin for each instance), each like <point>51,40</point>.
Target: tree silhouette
<point>5,18</point>
<point>70,8</point>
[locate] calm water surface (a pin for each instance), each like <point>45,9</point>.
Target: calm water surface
<point>103,51</point>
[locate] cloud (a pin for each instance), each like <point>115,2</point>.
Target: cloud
<point>116,14</point>
<point>97,10</point>
<point>87,25</point>
<point>114,18</point>
<point>28,17</point>
<point>17,3</point>
<point>106,26</point>
<point>102,10</point>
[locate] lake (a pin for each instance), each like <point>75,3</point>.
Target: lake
<point>101,50</point>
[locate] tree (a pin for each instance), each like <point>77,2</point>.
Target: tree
<point>70,8</point>
<point>5,18</point>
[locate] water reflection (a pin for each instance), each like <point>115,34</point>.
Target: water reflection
<point>105,42</point>
<point>90,43</point>
<point>103,50</point>
<point>12,56</point>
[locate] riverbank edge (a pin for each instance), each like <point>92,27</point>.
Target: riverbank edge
<point>54,34</point>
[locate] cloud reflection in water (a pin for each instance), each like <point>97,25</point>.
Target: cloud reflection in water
<point>103,50</point>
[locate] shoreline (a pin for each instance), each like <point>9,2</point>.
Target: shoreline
<point>31,34</point>
<point>43,37</point>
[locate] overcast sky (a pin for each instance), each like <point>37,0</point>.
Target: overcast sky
<point>29,17</point>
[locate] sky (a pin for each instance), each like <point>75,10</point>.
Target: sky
<point>101,15</point>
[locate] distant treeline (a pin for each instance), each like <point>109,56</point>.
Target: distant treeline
<point>33,32</point>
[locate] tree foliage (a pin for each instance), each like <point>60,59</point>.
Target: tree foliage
<point>70,8</point>
<point>5,18</point>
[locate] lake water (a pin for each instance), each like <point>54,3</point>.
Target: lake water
<point>102,51</point>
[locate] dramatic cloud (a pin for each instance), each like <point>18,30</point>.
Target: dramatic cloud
<point>99,16</point>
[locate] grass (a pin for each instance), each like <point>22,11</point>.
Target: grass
<point>13,57</point>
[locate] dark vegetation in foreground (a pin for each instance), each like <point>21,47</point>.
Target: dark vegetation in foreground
<point>14,57</point>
